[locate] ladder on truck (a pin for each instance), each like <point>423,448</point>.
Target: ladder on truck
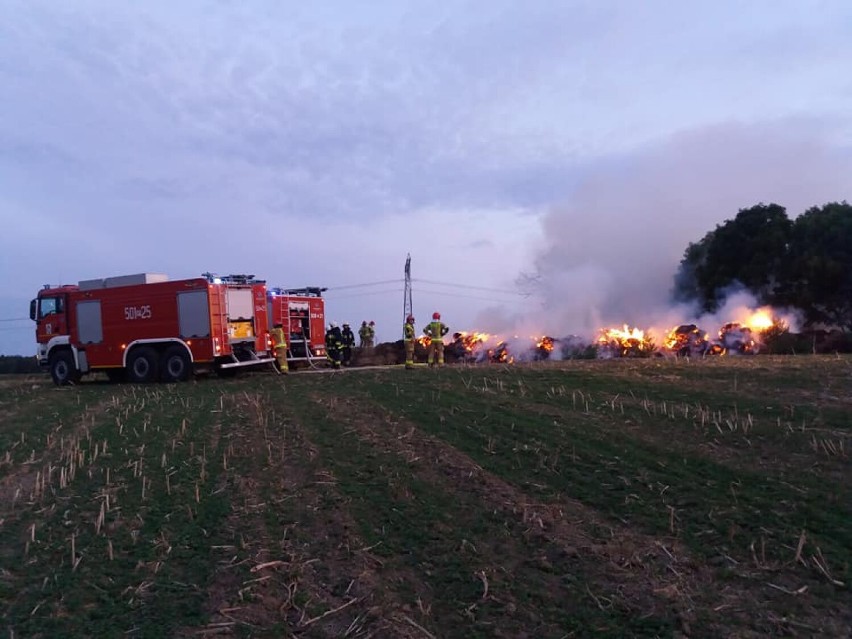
<point>299,349</point>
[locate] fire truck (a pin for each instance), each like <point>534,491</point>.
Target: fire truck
<point>146,328</point>
<point>301,313</point>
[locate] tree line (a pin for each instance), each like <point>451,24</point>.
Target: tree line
<point>17,364</point>
<point>803,263</point>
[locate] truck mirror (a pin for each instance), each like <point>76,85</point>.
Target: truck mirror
<point>33,310</point>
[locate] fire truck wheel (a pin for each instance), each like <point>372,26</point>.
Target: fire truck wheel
<point>62,368</point>
<point>142,365</point>
<point>175,365</point>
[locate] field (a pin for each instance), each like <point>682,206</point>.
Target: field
<point>591,499</point>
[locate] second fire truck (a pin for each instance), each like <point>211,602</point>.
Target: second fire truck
<point>301,313</point>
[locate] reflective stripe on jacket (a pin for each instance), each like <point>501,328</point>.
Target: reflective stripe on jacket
<point>436,329</point>
<point>333,339</point>
<point>278,338</point>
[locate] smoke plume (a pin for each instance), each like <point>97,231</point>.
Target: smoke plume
<point>612,249</point>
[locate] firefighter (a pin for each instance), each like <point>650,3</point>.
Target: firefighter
<point>371,334</point>
<point>333,345</point>
<point>348,338</point>
<point>436,330</point>
<point>408,332</point>
<point>279,346</point>
<point>363,333</point>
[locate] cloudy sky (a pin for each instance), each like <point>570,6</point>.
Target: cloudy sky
<point>582,144</point>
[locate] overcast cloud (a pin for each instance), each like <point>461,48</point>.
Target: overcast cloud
<point>586,142</point>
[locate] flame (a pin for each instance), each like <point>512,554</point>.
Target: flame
<point>760,320</point>
<point>687,339</point>
<point>545,343</point>
<point>500,354</point>
<point>625,342</point>
<point>470,341</point>
<point>737,338</point>
<point>621,335</point>
<point>744,336</point>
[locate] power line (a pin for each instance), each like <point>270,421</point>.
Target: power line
<point>478,288</point>
<point>434,282</point>
<point>15,319</point>
<point>468,297</point>
<point>337,288</point>
<point>365,294</point>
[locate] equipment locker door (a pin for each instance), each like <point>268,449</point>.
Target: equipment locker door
<point>193,314</point>
<point>89,327</point>
<point>240,305</point>
<point>240,314</point>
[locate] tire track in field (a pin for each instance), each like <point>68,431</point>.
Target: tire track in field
<point>295,565</point>
<point>468,590</point>
<point>644,574</point>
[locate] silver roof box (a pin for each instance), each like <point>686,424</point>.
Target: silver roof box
<point>123,280</point>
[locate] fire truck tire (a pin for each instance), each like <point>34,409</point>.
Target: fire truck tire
<point>175,365</point>
<point>142,365</point>
<point>62,368</point>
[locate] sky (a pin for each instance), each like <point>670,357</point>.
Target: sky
<point>545,164</point>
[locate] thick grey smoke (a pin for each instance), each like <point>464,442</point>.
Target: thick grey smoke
<point>612,250</point>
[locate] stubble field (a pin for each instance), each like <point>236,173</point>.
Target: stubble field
<point>598,498</point>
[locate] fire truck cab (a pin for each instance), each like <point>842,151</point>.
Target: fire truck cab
<point>301,313</point>
<point>146,328</point>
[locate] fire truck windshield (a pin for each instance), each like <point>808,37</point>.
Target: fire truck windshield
<point>49,305</point>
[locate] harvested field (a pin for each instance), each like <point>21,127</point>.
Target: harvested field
<point>644,498</point>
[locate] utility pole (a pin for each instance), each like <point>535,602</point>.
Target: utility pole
<point>407,305</point>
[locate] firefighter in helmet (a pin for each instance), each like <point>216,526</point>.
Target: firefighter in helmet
<point>371,334</point>
<point>408,332</point>
<point>333,345</point>
<point>363,334</point>
<point>279,346</point>
<point>436,330</point>
<point>348,338</point>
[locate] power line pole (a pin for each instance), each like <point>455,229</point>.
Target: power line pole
<point>407,305</point>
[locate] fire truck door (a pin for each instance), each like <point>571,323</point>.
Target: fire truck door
<point>89,327</point>
<point>193,314</point>
<point>90,330</point>
<point>51,318</point>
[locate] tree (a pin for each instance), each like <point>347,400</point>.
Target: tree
<point>18,364</point>
<point>748,250</point>
<point>689,284</point>
<point>817,276</point>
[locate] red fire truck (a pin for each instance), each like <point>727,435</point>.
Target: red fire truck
<point>147,328</point>
<point>301,313</point>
